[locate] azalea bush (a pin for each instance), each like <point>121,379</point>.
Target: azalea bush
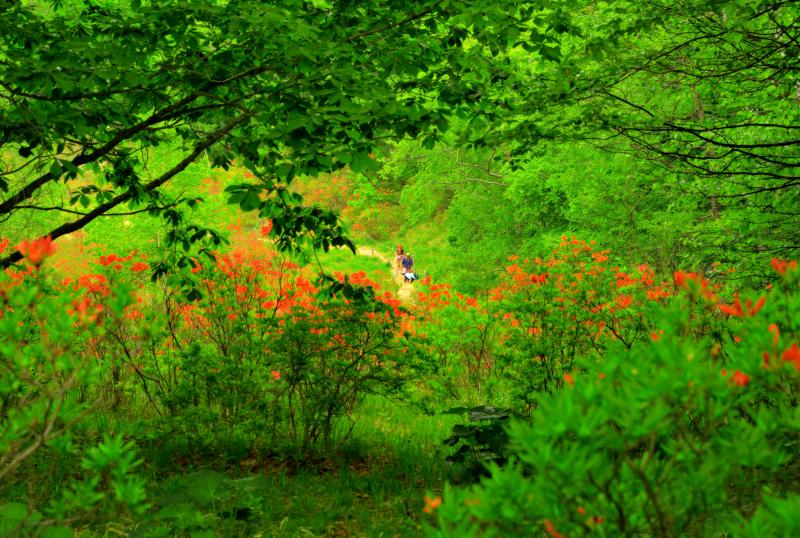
<point>462,336</point>
<point>332,357</point>
<point>692,431</point>
<point>523,337</point>
<point>259,359</point>
<point>568,308</point>
<point>526,337</point>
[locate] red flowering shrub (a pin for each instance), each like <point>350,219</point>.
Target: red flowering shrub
<point>570,306</point>
<point>461,336</point>
<point>675,435</point>
<point>529,332</point>
<point>259,358</point>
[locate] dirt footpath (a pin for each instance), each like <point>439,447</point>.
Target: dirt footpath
<point>405,290</point>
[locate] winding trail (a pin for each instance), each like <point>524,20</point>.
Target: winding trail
<point>405,290</point>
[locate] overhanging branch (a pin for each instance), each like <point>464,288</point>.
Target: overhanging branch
<point>148,187</point>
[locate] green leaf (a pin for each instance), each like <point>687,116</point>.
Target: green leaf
<point>55,168</point>
<point>58,532</point>
<point>12,516</point>
<point>362,162</point>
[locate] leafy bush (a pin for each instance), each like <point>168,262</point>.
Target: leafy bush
<point>693,431</point>
<point>48,387</point>
<point>260,359</point>
<point>521,339</point>
<point>480,443</point>
<point>567,308</point>
<point>461,335</point>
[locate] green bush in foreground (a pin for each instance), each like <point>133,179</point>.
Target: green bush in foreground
<point>44,374</point>
<point>693,433</point>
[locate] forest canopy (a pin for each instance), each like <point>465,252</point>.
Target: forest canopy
<point>704,92</point>
<point>90,88</point>
<point>636,121</point>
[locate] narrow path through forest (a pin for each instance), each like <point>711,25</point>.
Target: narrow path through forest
<point>405,290</point>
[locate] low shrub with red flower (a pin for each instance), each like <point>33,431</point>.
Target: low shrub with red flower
<point>673,435</point>
<point>259,351</point>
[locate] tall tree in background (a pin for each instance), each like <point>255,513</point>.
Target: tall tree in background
<point>706,90</point>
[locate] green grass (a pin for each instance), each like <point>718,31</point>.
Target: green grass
<point>372,485</point>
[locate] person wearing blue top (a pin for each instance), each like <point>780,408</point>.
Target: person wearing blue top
<point>408,263</point>
<point>408,268</point>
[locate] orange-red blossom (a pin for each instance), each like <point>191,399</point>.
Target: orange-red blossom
<point>431,504</point>
<point>37,250</point>
<point>693,282</point>
<point>792,354</point>
<point>736,309</point>
<point>781,266</point>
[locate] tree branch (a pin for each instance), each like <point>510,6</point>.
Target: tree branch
<point>393,25</point>
<point>83,213</point>
<point>126,196</point>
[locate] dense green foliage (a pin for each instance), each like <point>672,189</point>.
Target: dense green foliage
<point>663,130</point>
<point>601,200</point>
<point>676,434</point>
<point>285,90</point>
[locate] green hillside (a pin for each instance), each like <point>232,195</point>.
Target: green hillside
<point>205,207</point>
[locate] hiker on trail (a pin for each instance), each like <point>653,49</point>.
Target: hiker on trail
<point>398,258</point>
<point>408,268</point>
<point>407,262</point>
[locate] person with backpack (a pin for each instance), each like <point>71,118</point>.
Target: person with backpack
<point>408,268</point>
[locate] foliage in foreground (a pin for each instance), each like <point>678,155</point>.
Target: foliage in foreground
<point>693,431</point>
<point>656,407</point>
<point>261,363</point>
<point>44,377</point>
